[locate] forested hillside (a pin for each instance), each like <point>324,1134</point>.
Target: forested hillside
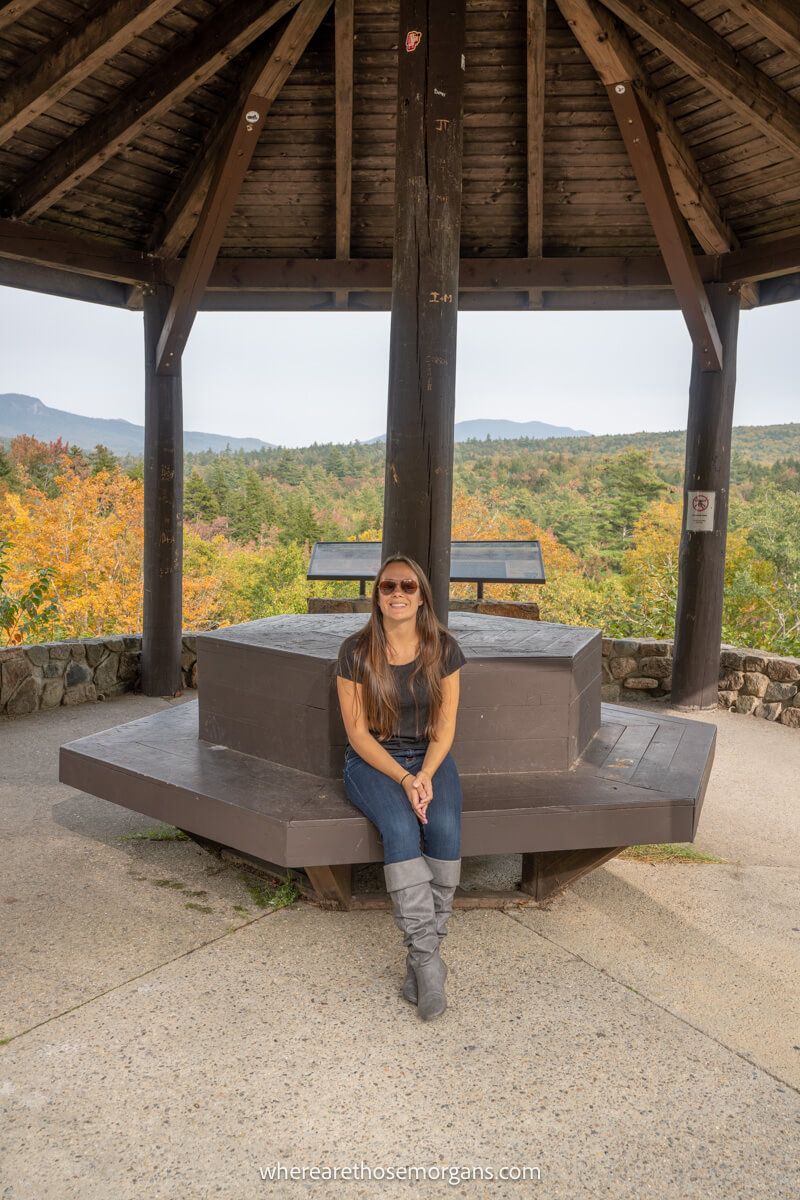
<point>607,510</point>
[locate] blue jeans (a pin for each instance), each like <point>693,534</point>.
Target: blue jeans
<point>385,803</point>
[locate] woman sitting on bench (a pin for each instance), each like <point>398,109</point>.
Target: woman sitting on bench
<point>398,685</point>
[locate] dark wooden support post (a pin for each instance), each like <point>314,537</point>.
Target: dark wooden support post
<point>343,58</point>
<point>641,141</point>
<point>547,871</point>
<point>163,510</point>
<point>333,885</point>
<point>536,24</point>
<point>701,566</point>
<point>422,349</point>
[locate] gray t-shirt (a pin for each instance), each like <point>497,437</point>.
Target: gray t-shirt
<point>410,734</point>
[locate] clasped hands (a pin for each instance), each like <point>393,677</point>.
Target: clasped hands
<point>419,790</point>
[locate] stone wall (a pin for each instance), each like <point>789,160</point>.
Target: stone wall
<point>76,672</point>
<point>90,669</point>
<point>750,681</point>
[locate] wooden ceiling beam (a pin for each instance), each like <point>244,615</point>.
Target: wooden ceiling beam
<point>53,249</point>
<point>180,217</point>
<point>69,285</point>
<point>63,63</point>
<point>221,38</point>
<point>14,10</point>
<point>773,19</point>
<point>707,57</point>
<point>608,48</point>
<point>227,180</point>
<point>641,141</point>
<point>344,32</point>
<point>44,247</point>
<point>762,260</point>
<point>779,291</point>
<point>536,36</point>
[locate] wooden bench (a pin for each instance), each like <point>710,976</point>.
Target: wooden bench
<point>615,777</point>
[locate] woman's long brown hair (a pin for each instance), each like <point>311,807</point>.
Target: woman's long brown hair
<point>371,660</point>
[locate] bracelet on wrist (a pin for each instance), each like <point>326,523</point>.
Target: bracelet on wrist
<point>404,778</point>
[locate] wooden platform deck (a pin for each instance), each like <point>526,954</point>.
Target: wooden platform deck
<point>641,780</point>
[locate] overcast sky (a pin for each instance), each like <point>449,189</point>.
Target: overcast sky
<point>296,378</point>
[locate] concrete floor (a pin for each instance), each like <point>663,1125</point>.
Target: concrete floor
<point>637,1036</point>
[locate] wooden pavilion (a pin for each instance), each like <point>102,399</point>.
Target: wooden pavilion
<point>423,156</point>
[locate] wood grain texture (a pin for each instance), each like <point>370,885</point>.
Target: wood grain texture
<point>645,154</point>
<point>157,765</point>
<point>701,561</point>
<point>124,156</point>
<point>226,181</point>
<point>228,32</point>
<point>60,65</point>
<point>690,42</point>
<point>422,340</point>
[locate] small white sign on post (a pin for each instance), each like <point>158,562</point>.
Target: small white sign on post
<point>700,512</point>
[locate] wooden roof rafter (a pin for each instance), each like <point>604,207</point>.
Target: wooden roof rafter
<point>537,178</point>
<point>229,31</point>
<point>776,20</point>
<point>53,249</point>
<point>641,141</point>
<point>14,10</point>
<point>608,48</point>
<point>706,56</point>
<point>179,219</point>
<point>59,66</point>
<point>226,182</point>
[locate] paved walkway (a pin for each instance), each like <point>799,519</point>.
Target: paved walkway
<point>637,1037</point>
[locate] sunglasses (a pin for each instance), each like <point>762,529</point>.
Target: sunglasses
<point>387,586</point>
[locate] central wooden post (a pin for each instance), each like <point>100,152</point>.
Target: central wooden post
<point>422,353</point>
<point>163,510</point>
<point>701,563</point>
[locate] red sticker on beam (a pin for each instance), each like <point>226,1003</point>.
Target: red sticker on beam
<point>413,39</point>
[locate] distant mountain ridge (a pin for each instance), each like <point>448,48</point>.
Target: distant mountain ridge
<point>504,430</point>
<point>27,414</point>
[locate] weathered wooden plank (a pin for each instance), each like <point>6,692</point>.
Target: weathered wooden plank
<point>419,439</point>
<point>641,141</point>
<point>777,257</point>
<point>608,48</point>
<point>775,19</point>
<point>13,10</point>
<point>343,52</point>
<point>694,45</point>
<point>179,218</point>
<point>547,872</point>
<point>221,38</point>
<point>624,757</point>
<point>536,29</point>
<point>332,884</point>
<point>31,277</point>
<point>701,562</point>
<point>59,66</point>
<point>227,180</point>
<point>88,256</point>
<point>163,519</point>
<point>157,765</point>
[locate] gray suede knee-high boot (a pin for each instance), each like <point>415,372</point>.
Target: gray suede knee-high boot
<point>409,885</point>
<point>445,878</point>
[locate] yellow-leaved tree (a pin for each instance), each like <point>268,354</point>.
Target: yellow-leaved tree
<point>650,577</point>
<point>90,533</point>
<point>568,596</point>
